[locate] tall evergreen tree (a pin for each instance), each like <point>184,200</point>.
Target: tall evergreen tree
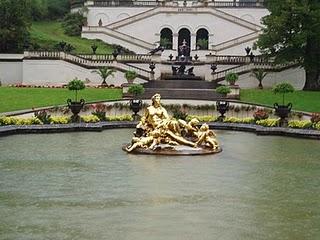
<point>14,24</point>
<point>292,33</point>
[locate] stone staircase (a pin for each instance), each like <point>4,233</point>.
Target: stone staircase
<point>182,89</point>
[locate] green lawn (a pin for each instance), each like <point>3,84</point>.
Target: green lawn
<point>302,100</point>
<point>26,98</point>
<point>48,34</point>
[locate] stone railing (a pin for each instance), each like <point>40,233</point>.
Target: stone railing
<point>230,59</point>
<point>236,41</point>
<point>138,58</point>
<point>174,9</point>
<point>119,35</point>
<point>212,3</point>
<point>242,69</point>
<point>88,62</point>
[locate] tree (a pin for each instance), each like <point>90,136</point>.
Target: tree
<point>283,88</point>
<point>76,85</point>
<point>292,34</point>
<point>72,23</point>
<point>14,25</point>
<point>104,73</point>
<point>259,74</point>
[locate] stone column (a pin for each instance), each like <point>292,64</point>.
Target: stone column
<point>193,44</point>
<point>175,41</point>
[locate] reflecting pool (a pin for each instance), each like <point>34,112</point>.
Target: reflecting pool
<point>83,186</point>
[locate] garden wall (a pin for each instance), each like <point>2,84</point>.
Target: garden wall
<point>16,70</point>
<point>11,68</point>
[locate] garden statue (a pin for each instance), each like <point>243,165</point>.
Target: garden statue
<point>184,50</point>
<point>158,133</point>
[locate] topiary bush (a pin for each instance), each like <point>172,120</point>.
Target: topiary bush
<point>224,90</point>
<point>130,75</point>
<point>283,88</point>
<point>136,90</point>
<point>76,85</point>
<point>231,78</point>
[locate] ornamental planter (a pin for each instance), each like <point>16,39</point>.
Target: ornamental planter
<point>222,108</point>
<point>282,111</point>
<point>135,106</point>
<point>75,108</point>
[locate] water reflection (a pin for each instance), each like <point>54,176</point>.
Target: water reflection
<point>83,186</point>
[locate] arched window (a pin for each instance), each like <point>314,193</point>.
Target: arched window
<point>166,38</point>
<point>202,39</point>
<point>184,37</point>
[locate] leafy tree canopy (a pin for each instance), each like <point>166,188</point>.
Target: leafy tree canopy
<point>48,9</point>
<point>14,25</point>
<point>292,33</point>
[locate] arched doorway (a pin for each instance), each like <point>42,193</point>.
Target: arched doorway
<point>184,37</point>
<point>202,39</point>
<point>166,38</point>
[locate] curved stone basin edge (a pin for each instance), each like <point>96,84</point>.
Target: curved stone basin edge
<point>98,127</point>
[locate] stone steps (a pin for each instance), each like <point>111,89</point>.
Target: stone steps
<point>181,84</point>
<point>182,93</point>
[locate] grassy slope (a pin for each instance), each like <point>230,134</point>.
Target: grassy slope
<point>51,33</point>
<point>301,100</point>
<point>26,98</point>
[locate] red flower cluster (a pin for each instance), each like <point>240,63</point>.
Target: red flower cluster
<point>260,114</point>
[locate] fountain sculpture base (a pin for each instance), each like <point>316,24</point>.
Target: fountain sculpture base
<point>180,150</point>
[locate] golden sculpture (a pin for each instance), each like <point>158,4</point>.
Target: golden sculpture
<point>157,130</point>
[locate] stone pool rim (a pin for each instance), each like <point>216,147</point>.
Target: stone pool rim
<point>101,126</point>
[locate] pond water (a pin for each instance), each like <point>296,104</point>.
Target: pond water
<point>83,186</point>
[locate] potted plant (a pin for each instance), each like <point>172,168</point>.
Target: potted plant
<point>135,103</point>
<point>130,75</point>
<point>104,73</point>
<point>259,74</point>
<point>224,90</point>
<point>283,110</point>
<point>231,78</point>
<point>76,106</point>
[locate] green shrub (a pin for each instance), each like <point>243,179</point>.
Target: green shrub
<point>268,122</point>
<point>72,23</point>
<point>317,126</point>
<point>136,89</point>
<point>231,78</point>
<point>300,124</point>
<point>130,75</point>
<point>224,90</point>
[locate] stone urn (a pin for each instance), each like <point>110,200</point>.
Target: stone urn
<point>135,106</point>
<point>222,108</point>
<point>75,108</point>
<point>282,111</point>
